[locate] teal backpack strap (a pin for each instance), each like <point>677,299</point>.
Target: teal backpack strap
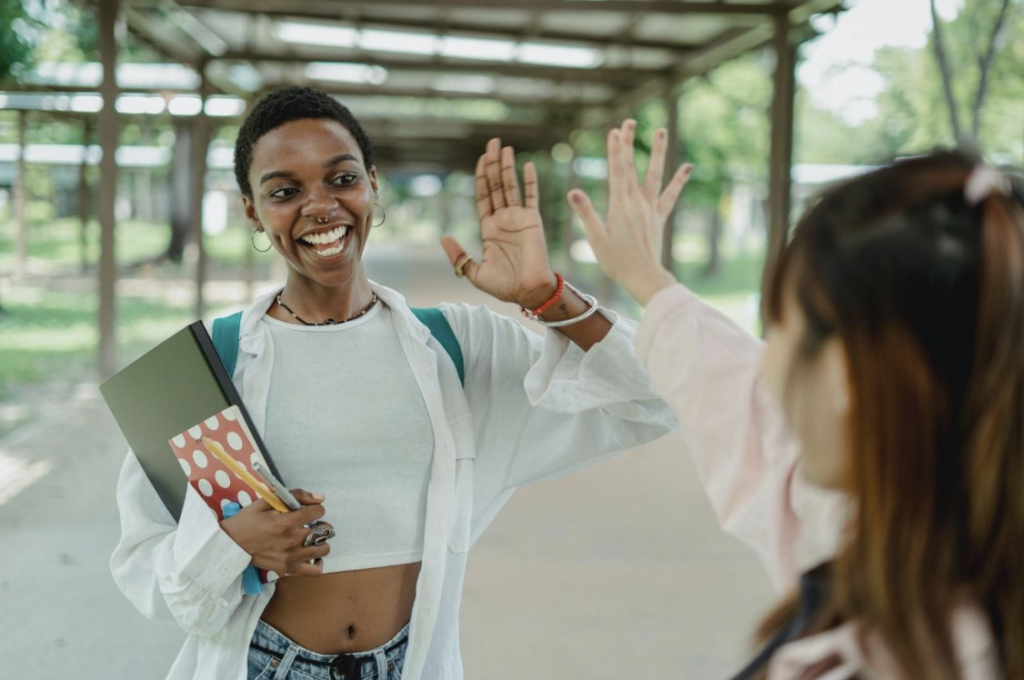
<point>226,331</point>
<point>433,318</point>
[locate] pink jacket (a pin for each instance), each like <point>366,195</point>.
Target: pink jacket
<point>708,371</point>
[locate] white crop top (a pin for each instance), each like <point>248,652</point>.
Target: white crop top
<point>346,418</point>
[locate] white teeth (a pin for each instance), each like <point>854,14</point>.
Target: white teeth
<point>326,237</point>
<point>330,252</point>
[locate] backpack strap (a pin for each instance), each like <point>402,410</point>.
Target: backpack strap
<point>433,318</point>
<point>226,331</point>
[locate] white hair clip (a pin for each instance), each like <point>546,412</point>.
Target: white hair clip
<point>983,182</point>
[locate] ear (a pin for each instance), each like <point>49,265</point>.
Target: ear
<point>372,173</point>
<point>250,213</point>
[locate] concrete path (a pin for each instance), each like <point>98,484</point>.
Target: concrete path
<point>616,572</point>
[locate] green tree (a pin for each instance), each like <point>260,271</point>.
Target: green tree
<point>725,134</point>
<point>16,32</point>
<point>975,38</point>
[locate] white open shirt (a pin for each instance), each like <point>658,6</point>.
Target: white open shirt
<point>532,408</point>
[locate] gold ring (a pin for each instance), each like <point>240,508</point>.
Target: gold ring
<point>461,264</point>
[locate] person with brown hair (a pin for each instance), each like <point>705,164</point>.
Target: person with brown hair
<point>872,449</point>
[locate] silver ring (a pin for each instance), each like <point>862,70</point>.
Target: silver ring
<point>321,220</point>
<point>321,532</point>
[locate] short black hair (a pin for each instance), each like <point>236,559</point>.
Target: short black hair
<point>283,106</point>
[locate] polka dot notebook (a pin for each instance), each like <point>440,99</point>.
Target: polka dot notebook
<point>214,481</point>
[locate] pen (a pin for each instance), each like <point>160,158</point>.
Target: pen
<point>272,481</point>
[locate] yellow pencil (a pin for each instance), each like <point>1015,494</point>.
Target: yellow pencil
<point>220,454</point>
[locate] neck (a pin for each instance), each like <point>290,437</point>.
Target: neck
<point>316,302</point>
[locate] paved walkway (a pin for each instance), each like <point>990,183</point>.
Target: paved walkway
<point>615,572</point>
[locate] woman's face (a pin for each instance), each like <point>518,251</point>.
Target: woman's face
<point>814,393</point>
<point>313,197</point>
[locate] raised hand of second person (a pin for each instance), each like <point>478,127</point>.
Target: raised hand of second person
<point>514,266</point>
<point>627,243</point>
<point>275,539</point>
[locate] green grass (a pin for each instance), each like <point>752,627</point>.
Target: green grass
<point>54,333</point>
<point>58,244</point>
<point>49,326</point>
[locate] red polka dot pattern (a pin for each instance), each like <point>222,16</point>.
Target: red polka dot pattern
<point>215,483</point>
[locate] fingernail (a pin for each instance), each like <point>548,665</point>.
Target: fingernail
<point>318,496</point>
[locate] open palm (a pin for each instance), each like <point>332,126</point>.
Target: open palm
<point>627,242</point>
<point>515,263</point>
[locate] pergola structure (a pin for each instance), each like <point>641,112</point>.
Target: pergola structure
<point>550,66</point>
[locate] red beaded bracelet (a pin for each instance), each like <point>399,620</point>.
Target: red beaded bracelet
<point>535,314</point>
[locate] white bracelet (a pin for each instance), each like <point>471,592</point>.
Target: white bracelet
<point>589,299</point>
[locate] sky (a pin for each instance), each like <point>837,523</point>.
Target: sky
<point>836,67</point>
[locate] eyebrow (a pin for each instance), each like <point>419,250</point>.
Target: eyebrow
<point>327,164</point>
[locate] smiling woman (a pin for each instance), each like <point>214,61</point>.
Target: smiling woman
<point>412,454</point>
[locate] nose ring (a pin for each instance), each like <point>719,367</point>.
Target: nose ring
<point>321,220</point>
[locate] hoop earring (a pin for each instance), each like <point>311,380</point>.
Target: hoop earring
<point>269,245</point>
<point>383,217</point>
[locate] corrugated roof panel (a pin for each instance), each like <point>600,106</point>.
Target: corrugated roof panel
<point>499,17</point>
<point>689,29</point>
<point>595,24</point>
<point>233,27</point>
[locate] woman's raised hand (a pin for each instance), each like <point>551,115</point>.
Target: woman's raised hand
<point>514,266</point>
<point>627,243</point>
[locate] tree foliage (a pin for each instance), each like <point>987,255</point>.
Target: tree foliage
<point>16,37</point>
<point>913,115</point>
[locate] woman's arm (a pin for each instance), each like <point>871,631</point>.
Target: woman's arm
<point>708,370</point>
<point>187,574</point>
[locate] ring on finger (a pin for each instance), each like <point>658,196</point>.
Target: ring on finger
<point>460,265</point>
<point>319,533</point>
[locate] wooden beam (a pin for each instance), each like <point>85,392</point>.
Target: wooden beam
<point>781,155</point>
<point>331,7</point>
<point>84,197</point>
<point>671,98</point>
<point>200,148</point>
<point>20,190</point>
<point>108,136</point>
<point>452,24</point>
<point>559,102</point>
<point>618,77</point>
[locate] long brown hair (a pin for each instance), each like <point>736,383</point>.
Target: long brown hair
<point>926,292</point>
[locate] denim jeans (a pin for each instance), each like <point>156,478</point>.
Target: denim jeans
<point>272,656</point>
